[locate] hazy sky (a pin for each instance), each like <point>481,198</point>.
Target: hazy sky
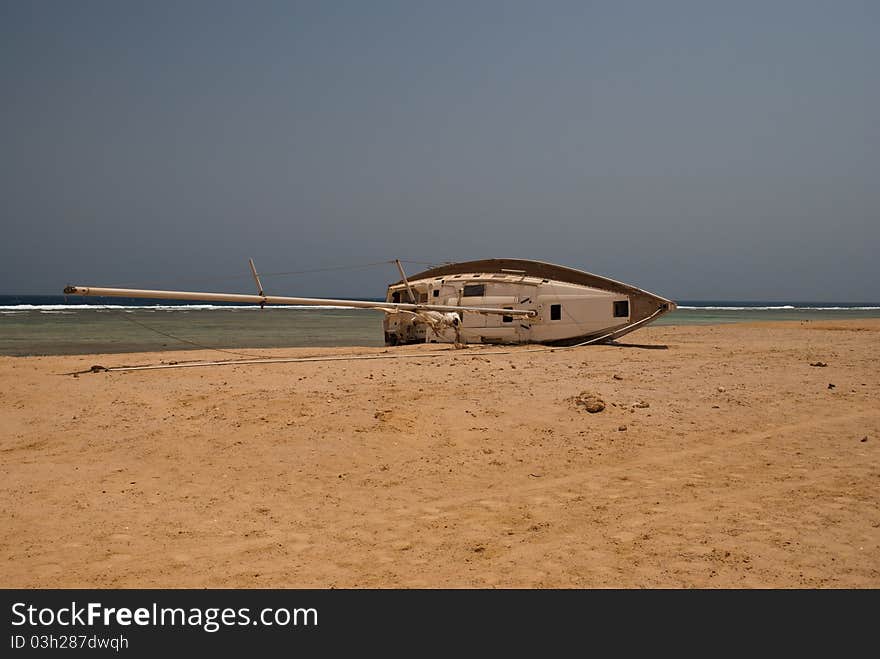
<point>725,150</point>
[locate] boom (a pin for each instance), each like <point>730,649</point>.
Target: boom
<point>387,307</point>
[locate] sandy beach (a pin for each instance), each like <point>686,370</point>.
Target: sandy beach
<point>722,458</point>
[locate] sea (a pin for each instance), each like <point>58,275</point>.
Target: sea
<point>56,325</point>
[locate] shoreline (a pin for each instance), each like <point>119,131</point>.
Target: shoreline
<point>48,333</point>
<point>171,354</point>
<point>722,459</point>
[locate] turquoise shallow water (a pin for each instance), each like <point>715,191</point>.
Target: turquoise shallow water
<point>48,326</point>
<point>714,316</point>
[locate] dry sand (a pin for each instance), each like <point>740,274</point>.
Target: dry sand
<point>738,467</point>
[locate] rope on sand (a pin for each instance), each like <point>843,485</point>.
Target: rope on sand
<point>333,358</point>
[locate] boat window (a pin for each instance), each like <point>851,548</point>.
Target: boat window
<point>436,292</point>
<point>555,312</point>
<point>507,319</point>
<point>474,290</point>
<point>621,309</point>
<point>395,296</point>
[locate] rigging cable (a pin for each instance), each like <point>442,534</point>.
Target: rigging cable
<point>342,267</point>
<point>126,316</point>
<point>211,280</point>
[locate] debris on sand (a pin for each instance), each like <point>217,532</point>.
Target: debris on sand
<point>864,439</point>
<point>642,405</point>
<point>831,386</point>
<point>589,401</point>
<point>819,364</point>
<point>617,377</point>
<point>621,428</point>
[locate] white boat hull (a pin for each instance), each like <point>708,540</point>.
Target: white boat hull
<point>569,306</point>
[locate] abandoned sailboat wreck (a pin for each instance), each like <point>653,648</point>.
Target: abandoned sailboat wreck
<point>568,306</point>
<point>498,301</point>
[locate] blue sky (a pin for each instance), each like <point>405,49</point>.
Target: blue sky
<point>697,149</point>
